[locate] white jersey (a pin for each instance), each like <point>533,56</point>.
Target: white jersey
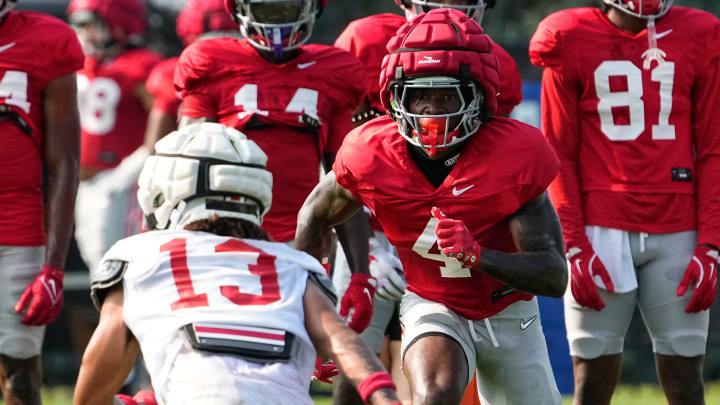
<point>175,278</point>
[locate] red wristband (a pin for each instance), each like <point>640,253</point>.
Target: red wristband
<point>374,382</point>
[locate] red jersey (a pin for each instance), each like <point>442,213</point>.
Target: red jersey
<point>112,117</point>
<point>295,112</point>
<point>160,85</point>
<point>640,147</point>
<point>367,39</point>
<point>502,167</point>
<point>36,49</point>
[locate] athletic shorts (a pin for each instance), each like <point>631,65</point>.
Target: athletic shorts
<point>659,261</point>
<point>103,216</point>
<point>508,350</point>
<point>383,310</point>
<point>19,265</point>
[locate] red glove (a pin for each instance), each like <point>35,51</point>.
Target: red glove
<point>359,297</point>
<point>455,240</point>
<point>126,399</point>
<point>145,397</point>
<point>584,266</point>
<point>46,294</point>
<point>703,271</point>
<point>141,397</point>
<point>324,372</point>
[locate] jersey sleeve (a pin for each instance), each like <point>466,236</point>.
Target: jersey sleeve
<point>542,167</point>
<point>546,45</point>
<point>367,39</point>
<point>349,164</point>
<point>190,81</point>
<point>160,85</point>
<point>705,101</point>
<point>510,88</point>
<point>349,91</point>
<point>64,50</point>
<point>560,123</point>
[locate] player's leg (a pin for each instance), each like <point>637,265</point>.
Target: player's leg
<point>596,343</point>
<point>438,352</point>
<point>679,339</point>
<point>20,345</point>
<point>393,333</point>
<point>513,365</point>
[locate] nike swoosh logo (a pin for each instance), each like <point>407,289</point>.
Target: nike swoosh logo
<point>306,65</point>
<point>457,192</point>
<point>6,47</point>
<point>368,294</point>
<point>51,290</point>
<point>662,34</point>
<point>524,324</point>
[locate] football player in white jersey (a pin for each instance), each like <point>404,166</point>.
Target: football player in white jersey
<point>221,315</point>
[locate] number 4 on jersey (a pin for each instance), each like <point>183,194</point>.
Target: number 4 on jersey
<point>451,268</point>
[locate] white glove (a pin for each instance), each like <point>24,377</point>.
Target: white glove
<point>388,271</point>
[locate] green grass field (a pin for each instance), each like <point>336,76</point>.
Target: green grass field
<point>625,395</point>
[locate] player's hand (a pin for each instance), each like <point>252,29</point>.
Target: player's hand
<point>584,266</point>
<point>454,239</point>
<point>44,296</point>
<point>387,269</point>
<point>702,270</point>
<point>359,298</point>
<point>323,372</point>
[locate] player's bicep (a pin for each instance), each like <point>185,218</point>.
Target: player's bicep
<point>109,356</point>
<point>320,318</point>
<point>536,226</point>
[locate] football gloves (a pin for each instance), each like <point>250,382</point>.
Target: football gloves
<point>702,271</point>
<point>44,297</point>
<point>585,265</point>
<point>454,239</point>
<point>323,372</point>
<point>359,299</point>
<point>387,269</point>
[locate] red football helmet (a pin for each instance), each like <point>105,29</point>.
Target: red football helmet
<point>6,6</point>
<point>275,37</point>
<point>443,48</point>
<point>642,8</point>
<point>475,9</point>
<point>201,16</point>
<point>125,19</point>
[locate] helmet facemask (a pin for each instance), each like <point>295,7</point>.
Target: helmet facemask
<point>436,133</point>
<point>93,33</point>
<point>475,9</point>
<point>269,30</point>
<point>644,9</point>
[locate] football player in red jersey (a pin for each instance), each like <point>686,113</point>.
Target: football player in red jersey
<point>222,315</point>
<point>461,196</point>
<point>113,105</point>
<point>630,96</point>
<point>39,121</point>
<point>367,38</point>
<point>198,19</point>
<point>294,100</point>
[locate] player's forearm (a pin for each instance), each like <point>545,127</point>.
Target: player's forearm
<point>539,272</point>
<point>311,231</point>
<point>353,236</point>
<point>59,210</point>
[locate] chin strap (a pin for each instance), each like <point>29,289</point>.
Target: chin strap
<point>653,53</point>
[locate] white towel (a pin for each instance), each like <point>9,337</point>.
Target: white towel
<point>613,249</point>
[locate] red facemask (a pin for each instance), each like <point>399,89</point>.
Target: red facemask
<point>432,133</point>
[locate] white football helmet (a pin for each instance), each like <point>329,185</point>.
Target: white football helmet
<point>475,9</point>
<point>203,170</point>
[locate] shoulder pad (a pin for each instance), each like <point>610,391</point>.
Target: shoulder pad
<point>325,285</point>
<point>106,275</point>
